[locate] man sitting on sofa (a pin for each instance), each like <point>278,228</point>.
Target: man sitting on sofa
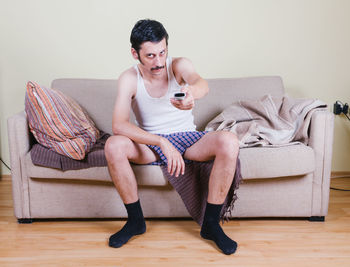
<point>148,88</point>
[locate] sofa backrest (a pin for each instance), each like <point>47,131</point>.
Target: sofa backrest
<point>224,92</point>
<point>97,96</point>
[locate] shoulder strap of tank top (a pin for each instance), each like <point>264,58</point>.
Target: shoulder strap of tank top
<point>171,74</point>
<point>140,89</point>
<point>137,71</point>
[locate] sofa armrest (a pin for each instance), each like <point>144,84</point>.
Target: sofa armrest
<point>321,140</point>
<point>19,145</point>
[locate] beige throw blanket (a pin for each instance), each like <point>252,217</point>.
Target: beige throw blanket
<point>272,121</point>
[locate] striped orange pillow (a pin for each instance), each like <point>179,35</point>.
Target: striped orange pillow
<point>58,122</point>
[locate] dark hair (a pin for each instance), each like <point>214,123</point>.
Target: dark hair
<point>147,30</point>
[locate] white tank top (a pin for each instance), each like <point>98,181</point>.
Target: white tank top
<point>157,114</point>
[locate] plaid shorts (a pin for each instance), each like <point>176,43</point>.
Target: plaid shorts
<point>181,141</point>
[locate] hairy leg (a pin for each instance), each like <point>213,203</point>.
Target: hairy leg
<point>120,151</point>
<point>223,147</point>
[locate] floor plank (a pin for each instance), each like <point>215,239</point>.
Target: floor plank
<point>262,242</point>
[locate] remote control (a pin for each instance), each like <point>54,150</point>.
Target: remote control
<point>179,96</point>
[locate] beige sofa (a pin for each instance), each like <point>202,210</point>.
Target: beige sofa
<point>291,181</point>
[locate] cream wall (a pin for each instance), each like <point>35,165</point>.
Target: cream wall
<point>307,42</point>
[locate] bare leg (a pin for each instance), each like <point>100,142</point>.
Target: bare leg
<point>119,152</point>
<point>223,148</point>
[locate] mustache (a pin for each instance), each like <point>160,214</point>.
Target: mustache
<point>158,68</point>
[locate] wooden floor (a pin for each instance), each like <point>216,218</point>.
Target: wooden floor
<point>177,243</point>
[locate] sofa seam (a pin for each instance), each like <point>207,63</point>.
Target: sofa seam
<point>313,212</point>
<point>324,161</point>
<point>23,173</point>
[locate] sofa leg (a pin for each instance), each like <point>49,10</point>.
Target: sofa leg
<point>25,221</point>
<point>317,219</point>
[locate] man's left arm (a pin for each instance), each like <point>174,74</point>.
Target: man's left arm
<point>196,87</point>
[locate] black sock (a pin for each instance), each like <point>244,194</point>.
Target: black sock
<point>134,226</point>
<point>212,230</point>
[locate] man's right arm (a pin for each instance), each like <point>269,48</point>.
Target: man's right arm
<point>120,125</point>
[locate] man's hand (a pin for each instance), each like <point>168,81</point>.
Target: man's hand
<point>176,163</point>
<point>187,103</point>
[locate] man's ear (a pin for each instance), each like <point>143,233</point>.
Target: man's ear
<point>134,54</point>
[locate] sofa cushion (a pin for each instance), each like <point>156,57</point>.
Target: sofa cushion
<point>145,174</point>
<point>270,162</point>
<point>45,157</point>
<point>256,162</point>
<point>58,122</point>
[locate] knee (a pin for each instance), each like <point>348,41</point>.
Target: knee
<point>116,148</point>
<point>227,145</point>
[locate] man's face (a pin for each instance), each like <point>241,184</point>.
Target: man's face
<point>152,56</point>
